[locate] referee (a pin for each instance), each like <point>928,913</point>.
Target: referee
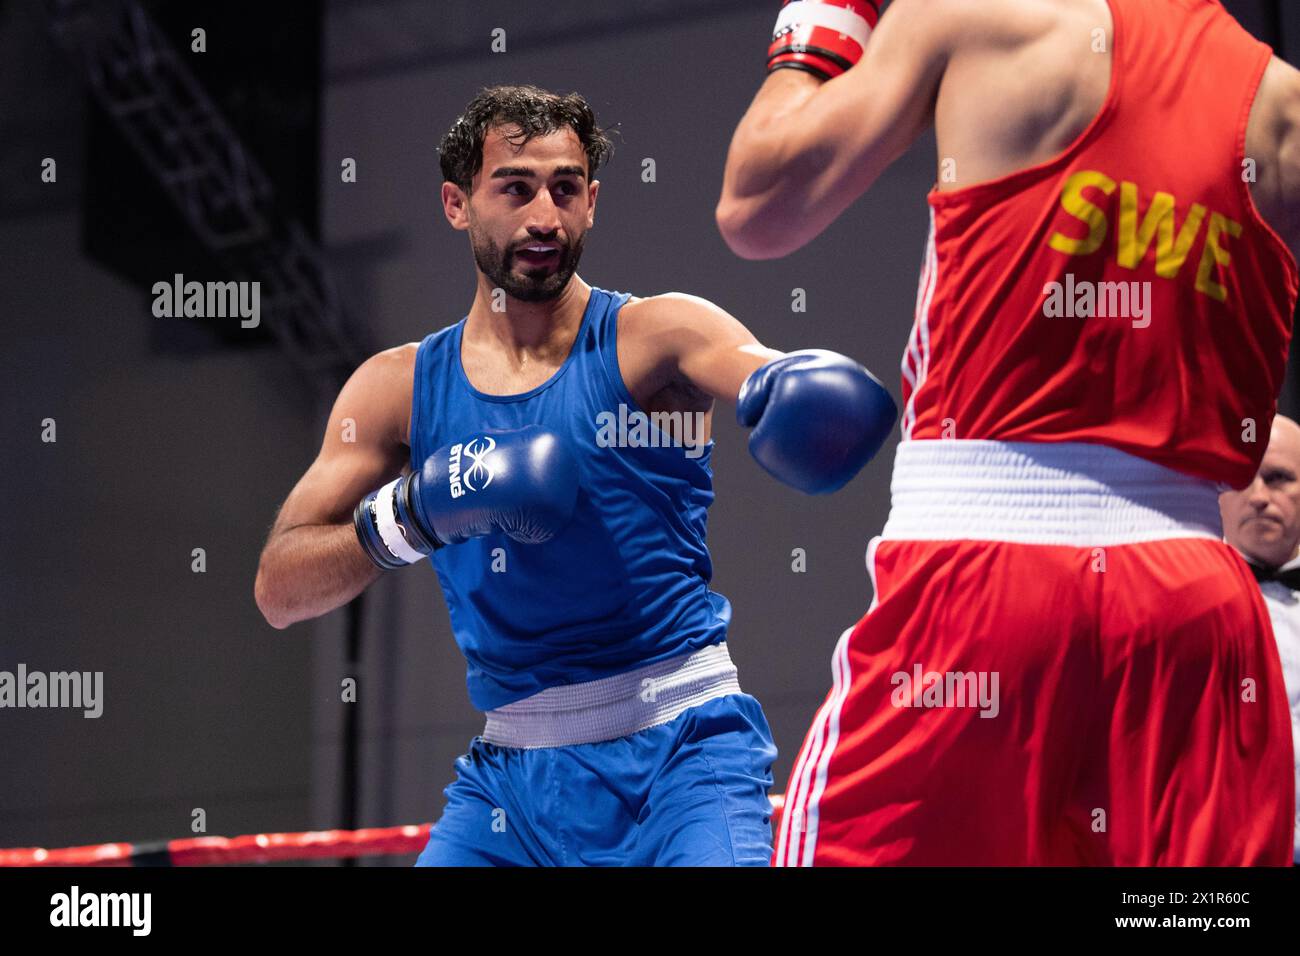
<point>1262,521</point>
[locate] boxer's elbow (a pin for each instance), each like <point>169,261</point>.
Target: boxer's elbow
<point>753,230</point>
<point>768,186</point>
<point>271,599</point>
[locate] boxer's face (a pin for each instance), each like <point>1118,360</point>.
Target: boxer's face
<point>1263,520</point>
<point>536,195</point>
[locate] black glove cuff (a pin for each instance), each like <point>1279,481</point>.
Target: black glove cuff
<point>366,525</point>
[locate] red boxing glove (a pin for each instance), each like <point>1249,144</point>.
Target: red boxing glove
<point>822,37</point>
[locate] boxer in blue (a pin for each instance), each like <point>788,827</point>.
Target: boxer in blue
<point>549,455</point>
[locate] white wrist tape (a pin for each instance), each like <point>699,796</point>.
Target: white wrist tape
<point>392,533</point>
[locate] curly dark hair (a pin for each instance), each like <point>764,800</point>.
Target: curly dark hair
<point>536,112</point>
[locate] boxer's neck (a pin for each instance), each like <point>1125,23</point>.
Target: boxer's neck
<point>527,329</point>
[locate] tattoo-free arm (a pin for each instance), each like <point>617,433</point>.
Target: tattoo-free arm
<point>805,150</point>
<point>695,341</point>
<point>312,562</point>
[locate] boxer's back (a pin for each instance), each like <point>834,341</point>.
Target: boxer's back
<point>1098,270</point>
<point>1025,79</point>
<point>1032,74</point>
<point>1042,423</point>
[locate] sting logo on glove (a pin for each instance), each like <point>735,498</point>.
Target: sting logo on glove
<point>525,482</point>
<point>476,450</point>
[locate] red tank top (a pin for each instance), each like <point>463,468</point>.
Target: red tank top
<point>1126,293</point>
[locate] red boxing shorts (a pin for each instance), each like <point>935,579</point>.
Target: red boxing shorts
<point>1063,665</point>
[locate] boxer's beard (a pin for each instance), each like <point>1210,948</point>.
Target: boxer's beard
<point>532,284</point>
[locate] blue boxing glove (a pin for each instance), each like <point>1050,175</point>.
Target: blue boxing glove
<point>817,416</point>
<point>523,483</point>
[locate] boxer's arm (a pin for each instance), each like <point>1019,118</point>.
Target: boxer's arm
<point>806,149</point>
<point>312,562</point>
<point>1273,144</point>
<point>679,338</point>
<point>817,417</point>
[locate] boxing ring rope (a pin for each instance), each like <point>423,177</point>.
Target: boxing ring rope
<point>251,848</point>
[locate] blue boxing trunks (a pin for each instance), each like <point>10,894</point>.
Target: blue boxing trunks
<point>664,765</point>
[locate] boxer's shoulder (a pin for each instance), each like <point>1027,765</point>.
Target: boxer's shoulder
<point>661,325</point>
<point>1019,89</point>
<point>380,391</point>
<point>961,20</point>
<point>653,331</point>
<point>958,26</point>
<point>397,358</point>
<point>392,370</point>
<point>667,308</point>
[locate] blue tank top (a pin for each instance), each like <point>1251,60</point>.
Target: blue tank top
<point>626,582</point>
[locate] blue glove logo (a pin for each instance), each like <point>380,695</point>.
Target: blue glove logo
<point>476,451</point>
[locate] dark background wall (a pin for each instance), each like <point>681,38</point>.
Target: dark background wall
<point>172,437</point>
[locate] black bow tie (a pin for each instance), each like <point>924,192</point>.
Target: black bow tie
<point>1290,577</point>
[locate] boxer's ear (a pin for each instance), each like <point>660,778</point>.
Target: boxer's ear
<point>455,206</point>
<point>592,191</point>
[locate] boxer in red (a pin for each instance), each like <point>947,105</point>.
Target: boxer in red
<point>1063,662</point>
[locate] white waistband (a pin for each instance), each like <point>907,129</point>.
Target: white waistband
<point>1039,493</point>
<point>614,707</point>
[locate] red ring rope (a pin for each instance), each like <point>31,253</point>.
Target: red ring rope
<point>252,848</point>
